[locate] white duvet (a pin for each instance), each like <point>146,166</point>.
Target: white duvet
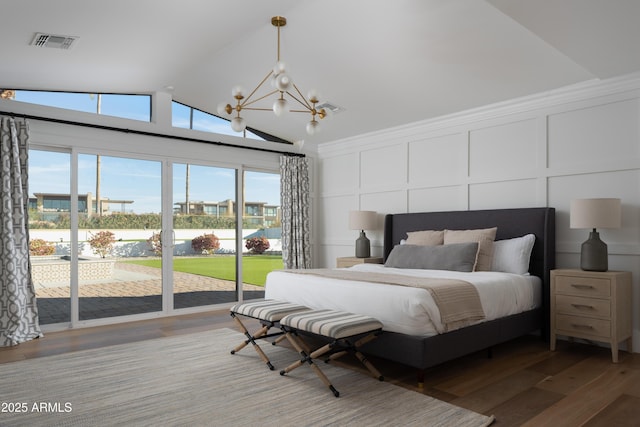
<point>404,309</point>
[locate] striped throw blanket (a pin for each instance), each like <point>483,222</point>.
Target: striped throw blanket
<point>457,300</point>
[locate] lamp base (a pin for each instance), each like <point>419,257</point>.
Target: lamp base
<point>593,255</point>
<point>363,247</point>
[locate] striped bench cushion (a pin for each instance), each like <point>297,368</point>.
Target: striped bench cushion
<point>269,310</point>
<point>331,323</point>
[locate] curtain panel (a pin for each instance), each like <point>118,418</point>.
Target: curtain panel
<point>18,308</point>
<point>295,205</point>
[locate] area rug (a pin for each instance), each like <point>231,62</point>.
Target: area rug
<point>193,380</point>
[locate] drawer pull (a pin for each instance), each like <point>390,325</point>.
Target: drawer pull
<point>583,306</point>
<point>579,326</point>
<point>578,286</point>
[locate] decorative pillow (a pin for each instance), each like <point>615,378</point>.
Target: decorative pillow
<point>513,255</point>
<point>455,257</point>
<point>425,237</point>
<point>484,237</point>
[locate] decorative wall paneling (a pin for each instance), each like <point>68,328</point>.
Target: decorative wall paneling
<point>544,150</point>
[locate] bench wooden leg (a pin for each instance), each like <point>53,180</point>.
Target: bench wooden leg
<point>369,366</point>
<point>353,348</point>
<point>252,339</point>
<point>309,359</point>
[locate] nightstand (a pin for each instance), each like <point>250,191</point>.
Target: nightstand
<point>350,261</point>
<point>593,306</point>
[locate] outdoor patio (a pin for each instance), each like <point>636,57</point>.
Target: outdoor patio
<point>134,289</point>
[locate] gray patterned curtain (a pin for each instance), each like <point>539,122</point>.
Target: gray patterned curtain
<point>18,309</point>
<point>294,201</point>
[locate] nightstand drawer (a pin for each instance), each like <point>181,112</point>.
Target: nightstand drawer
<point>581,306</point>
<point>583,286</point>
<point>577,325</point>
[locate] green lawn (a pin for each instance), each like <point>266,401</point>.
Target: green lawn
<point>254,267</point>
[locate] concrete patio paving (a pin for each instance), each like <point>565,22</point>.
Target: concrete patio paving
<point>134,289</point>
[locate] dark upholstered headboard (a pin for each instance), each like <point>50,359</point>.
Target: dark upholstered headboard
<point>510,222</point>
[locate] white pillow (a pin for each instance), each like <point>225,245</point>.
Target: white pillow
<point>513,255</point>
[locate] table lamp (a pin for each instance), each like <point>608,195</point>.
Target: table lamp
<point>595,213</point>
<point>362,220</point>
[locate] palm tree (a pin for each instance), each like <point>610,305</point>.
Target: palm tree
<point>98,202</point>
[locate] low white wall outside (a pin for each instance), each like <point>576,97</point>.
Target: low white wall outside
<point>133,243</point>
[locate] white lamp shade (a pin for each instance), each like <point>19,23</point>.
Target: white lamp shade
<point>595,213</point>
<point>362,220</point>
<point>282,82</point>
<point>280,67</point>
<point>313,127</point>
<point>237,91</point>
<point>238,124</point>
<point>280,107</point>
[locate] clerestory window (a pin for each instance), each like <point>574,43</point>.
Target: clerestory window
<point>133,107</point>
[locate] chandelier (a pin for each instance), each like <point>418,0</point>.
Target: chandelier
<point>282,87</point>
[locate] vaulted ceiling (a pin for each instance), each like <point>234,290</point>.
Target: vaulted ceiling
<point>386,63</point>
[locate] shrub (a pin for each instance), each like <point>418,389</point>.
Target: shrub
<point>257,245</point>
<point>119,221</point>
<point>41,247</point>
<point>102,243</point>
<point>155,243</point>
<point>205,244</point>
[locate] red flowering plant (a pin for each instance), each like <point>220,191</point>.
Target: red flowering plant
<point>205,244</point>
<point>257,245</point>
<point>102,243</point>
<point>155,243</point>
<point>41,247</point>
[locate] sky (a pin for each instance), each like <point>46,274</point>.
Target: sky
<point>49,172</point>
<point>210,184</point>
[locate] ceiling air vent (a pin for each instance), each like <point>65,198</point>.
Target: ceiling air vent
<point>331,107</point>
<point>54,41</point>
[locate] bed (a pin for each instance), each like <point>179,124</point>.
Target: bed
<point>409,339</point>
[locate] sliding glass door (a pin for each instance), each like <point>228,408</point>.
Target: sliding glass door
<point>50,234</point>
<point>204,224</point>
<point>261,231</point>
<point>116,236</point>
<point>121,201</point>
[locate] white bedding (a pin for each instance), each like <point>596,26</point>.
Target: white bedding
<point>404,309</point>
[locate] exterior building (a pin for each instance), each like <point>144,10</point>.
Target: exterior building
<point>257,214</point>
<point>51,205</point>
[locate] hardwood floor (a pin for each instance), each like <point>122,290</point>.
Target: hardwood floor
<point>523,383</point>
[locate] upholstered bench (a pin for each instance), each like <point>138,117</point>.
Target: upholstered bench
<point>268,312</point>
<point>346,331</point>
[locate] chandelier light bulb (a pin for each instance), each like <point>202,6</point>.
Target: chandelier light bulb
<point>282,82</point>
<point>238,124</point>
<point>237,91</point>
<point>279,68</point>
<point>313,127</point>
<point>280,107</point>
<point>313,96</point>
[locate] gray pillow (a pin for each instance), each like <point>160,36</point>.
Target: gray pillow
<point>454,257</point>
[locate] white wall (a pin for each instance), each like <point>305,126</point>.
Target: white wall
<point>133,243</point>
<point>544,150</point>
